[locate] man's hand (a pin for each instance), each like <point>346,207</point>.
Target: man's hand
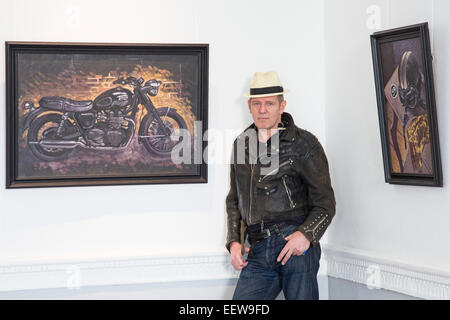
<point>296,244</point>
<point>236,256</point>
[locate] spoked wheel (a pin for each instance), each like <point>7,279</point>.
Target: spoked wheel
<point>161,140</point>
<point>42,128</point>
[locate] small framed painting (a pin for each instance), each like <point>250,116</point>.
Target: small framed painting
<point>402,63</point>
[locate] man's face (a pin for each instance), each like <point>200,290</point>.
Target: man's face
<point>266,111</point>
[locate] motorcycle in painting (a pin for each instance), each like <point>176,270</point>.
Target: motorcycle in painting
<point>59,125</point>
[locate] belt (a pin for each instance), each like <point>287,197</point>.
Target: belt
<point>266,232</point>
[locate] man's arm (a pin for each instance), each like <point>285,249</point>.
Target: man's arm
<point>322,205</point>
<point>234,222</point>
<point>233,213</point>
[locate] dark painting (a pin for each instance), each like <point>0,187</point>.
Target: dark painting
<point>408,123</point>
<point>106,117</point>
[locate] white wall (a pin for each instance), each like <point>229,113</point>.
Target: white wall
<point>39,226</point>
<point>404,224</point>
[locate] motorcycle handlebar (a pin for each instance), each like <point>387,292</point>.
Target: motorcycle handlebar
<point>130,80</point>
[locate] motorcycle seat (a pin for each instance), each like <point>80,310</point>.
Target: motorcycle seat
<point>65,104</point>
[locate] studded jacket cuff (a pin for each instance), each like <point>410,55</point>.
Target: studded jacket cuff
<point>315,226</point>
<point>229,242</point>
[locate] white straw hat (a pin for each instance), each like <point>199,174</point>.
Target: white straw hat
<point>265,84</point>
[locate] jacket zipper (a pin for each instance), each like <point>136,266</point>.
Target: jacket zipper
<point>289,161</point>
<point>251,192</point>
<point>288,191</point>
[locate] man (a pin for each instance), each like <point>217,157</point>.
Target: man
<point>284,211</point>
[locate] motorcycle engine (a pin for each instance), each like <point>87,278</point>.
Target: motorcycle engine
<point>115,134</point>
<point>110,131</point>
<point>95,136</point>
<point>115,137</point>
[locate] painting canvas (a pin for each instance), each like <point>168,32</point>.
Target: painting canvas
<point>406,106</point>
<point>99,114</point>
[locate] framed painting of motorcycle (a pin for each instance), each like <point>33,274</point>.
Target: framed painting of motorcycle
<point>402,64</point>
<point>105,114</point>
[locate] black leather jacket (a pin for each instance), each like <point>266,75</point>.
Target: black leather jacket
<point>298,186</point>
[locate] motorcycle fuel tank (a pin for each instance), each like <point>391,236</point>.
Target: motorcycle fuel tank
<point>116,97</point>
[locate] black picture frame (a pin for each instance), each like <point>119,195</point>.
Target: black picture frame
<point>402,63</point>
<point>39,68</point>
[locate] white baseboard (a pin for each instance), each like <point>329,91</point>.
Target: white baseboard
<point>125,271</point>
<point>115,272</point>
<point>363,268</point>
<point>343,263</point>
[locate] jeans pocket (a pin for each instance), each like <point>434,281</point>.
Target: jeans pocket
<point>256,248</point>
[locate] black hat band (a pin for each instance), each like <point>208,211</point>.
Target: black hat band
<point>276,89</point>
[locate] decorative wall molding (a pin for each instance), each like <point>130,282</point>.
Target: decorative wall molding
<point>357,266</point>
<point>343,263</point>
<point>75,275</point>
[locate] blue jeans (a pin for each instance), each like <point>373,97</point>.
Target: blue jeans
<point>263,278</point>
